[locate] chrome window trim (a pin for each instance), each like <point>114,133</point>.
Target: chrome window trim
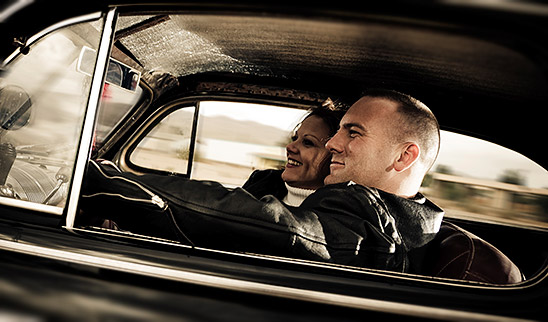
<point>185,276</point>
<point>86,136</point>
<point>12,8</point>
<point>310,263</point>
<point>54,27</point>
<point>29,205</point>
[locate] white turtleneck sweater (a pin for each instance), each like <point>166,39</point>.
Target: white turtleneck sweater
<point>295,196</point>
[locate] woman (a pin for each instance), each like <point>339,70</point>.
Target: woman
<point>307,159</point>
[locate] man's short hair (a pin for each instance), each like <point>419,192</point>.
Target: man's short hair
<point>420,123</point>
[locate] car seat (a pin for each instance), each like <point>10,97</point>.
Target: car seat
<point>458,254</point>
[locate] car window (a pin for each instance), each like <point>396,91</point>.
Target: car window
<point>41,116</point>
<point>236,138</point>
<point>471,179</point>
<point>478,180</point>
<point>167,146</point>
<point>232,140</point>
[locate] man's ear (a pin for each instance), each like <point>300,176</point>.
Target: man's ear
<point>409,155</point>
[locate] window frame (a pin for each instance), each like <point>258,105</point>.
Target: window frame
<point>86,137</point>
<point>149,124</point>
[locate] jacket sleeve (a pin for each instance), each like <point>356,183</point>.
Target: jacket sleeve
<point>339,223</point>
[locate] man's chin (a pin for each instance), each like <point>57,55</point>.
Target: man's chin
<point>332,179</point>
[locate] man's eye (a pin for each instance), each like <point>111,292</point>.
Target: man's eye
<point>353,133</point>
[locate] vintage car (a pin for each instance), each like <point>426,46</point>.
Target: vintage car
<point>211,91</point>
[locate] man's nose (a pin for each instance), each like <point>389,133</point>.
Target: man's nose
<point>334,144</point>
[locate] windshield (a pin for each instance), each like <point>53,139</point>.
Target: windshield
<point>43,99</point>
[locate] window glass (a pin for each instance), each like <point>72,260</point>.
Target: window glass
<point>167,146</point>
<point>232,140</point>
<point>236,138</point>
<point>43,99</point>
<point>479,180</point>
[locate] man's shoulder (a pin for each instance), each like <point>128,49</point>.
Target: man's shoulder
<point>347,187</point>
<point>346,192</point>
<point>353,191</point>
<point>350,187</point>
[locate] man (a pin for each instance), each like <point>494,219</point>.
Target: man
<point>369,214</point>
<point>387,140</point>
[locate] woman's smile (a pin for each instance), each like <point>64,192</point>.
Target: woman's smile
<point>293,163</point>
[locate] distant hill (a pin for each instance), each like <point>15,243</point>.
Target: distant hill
<point>226,128</point>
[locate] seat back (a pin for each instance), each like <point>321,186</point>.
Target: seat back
<point>458,254</point>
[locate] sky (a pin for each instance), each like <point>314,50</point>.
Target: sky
<point>280,117</point>
<point>485,160</point>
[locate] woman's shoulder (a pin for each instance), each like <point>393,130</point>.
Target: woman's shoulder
<point>263,182</point>
<point>268,173</point>
<point>259,175</point>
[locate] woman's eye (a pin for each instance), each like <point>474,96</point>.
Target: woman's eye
<point>307,142</point>
<point>294,138</point>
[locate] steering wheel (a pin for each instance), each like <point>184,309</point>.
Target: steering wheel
<point>30,178</point>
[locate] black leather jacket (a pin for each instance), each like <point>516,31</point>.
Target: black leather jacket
<point>343,223</point>
<point>266,182</point>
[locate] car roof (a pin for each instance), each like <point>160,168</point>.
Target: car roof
<point>481,68</point>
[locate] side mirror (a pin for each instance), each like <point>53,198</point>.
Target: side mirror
<point>118,74</point>
<point>15,106</point>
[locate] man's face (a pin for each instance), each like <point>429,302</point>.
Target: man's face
<point>363,151</point>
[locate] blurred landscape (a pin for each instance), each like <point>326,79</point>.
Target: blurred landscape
<point>466,186</point>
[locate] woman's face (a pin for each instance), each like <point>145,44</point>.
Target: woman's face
<point>307,158</point>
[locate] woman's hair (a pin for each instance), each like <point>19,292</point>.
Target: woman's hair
<point>330,112</point>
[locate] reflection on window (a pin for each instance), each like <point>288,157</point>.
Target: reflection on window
<point>40,150</point>
<point>478,180</point>
<point>115,105</point>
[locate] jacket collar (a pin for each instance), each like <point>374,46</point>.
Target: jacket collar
<point>418,219</point>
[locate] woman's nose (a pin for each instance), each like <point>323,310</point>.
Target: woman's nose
<point>292,147</point>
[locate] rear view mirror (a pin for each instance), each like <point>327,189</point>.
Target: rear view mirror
<point>15,106</point>
<point>118,74</point>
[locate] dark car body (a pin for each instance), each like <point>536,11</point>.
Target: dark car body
<point>481,67</point>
